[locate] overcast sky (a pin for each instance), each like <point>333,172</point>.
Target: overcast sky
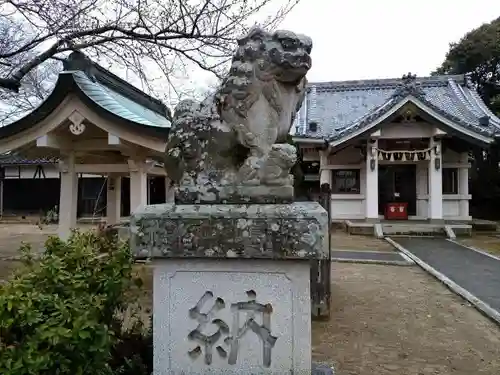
<point>359,39</point>
<point>362,39</point>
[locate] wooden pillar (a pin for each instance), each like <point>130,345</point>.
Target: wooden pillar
<point>463,186</point>
<point>169,191</point>
<point>1,197</point>
<point>2,178</point>
<point>371,190</point>
<point>435,174</point>
<point>68,200</point>
<point>138,184</point>
<point>114,194</point>
<point>325,174</point>
<point>325,177</point>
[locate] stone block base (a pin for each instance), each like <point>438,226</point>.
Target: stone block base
<point>228,317</point>
<point>248,231</point>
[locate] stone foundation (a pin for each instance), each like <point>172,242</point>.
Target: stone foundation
<point>277,341</point>
<point>258,231</point>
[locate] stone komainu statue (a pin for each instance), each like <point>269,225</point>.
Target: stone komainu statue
<point>235,138</point>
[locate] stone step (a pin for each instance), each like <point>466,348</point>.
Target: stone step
<point>484,225</point>
<point>461,229</point>
<point>413,229</point>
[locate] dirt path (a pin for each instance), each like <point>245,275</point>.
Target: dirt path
<point>400,321</point>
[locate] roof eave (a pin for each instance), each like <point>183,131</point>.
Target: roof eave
<point>376,123</point>
<point>484,108</point>
<point>305,139</point>
<point>62,88</point>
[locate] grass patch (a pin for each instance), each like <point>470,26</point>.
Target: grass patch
<point>487,243</point>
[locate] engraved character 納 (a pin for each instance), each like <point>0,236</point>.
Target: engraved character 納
<point>207,341</point>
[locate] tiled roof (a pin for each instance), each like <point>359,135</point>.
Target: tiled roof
<point>17,159</point>
<point>114,94</point>
<point>340,108</point>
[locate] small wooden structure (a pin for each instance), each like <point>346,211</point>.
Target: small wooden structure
<point>92,124</point>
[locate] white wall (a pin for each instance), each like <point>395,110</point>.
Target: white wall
<point>352,206</point>
<point>451,207</point>
<point>456,206</point>
<point>347,156</point>
<point>407,130</point>
<point>450,156</point>
<point>348,206</point>
<point>422,189</point>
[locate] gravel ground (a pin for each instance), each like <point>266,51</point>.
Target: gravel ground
<point>389,320</point>
<point>12,236</point>
<point>401,321</point>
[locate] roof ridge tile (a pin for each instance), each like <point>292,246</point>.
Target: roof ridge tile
<point>383,83</point>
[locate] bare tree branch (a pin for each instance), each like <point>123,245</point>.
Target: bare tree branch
<point>159,44</point>
<point>201,32</point>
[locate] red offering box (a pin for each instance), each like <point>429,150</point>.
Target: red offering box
<point>396,211</point>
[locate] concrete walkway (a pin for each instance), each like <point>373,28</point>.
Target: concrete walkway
<point>476,273</point>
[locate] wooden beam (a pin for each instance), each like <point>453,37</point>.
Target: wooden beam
<point>116,168</point>
<point>98,144</point>
<point>457,165</point>
<point>113,140</point>
<point>438,132</point>
<point>157,171</point>
<point>323,159</point>
<point>102,168</point>
<point>136,165</point>
<point>1,197</point>
<point>50,141</point>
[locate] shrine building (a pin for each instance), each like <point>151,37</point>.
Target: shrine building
<point>394,148</point>
<point>93,147</point>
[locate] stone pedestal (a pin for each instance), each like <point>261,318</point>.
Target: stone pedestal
<point>231,285</point>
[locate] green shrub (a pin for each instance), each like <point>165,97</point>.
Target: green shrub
<point>58,314</point>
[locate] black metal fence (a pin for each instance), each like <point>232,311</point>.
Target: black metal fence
<point>320,270</point>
